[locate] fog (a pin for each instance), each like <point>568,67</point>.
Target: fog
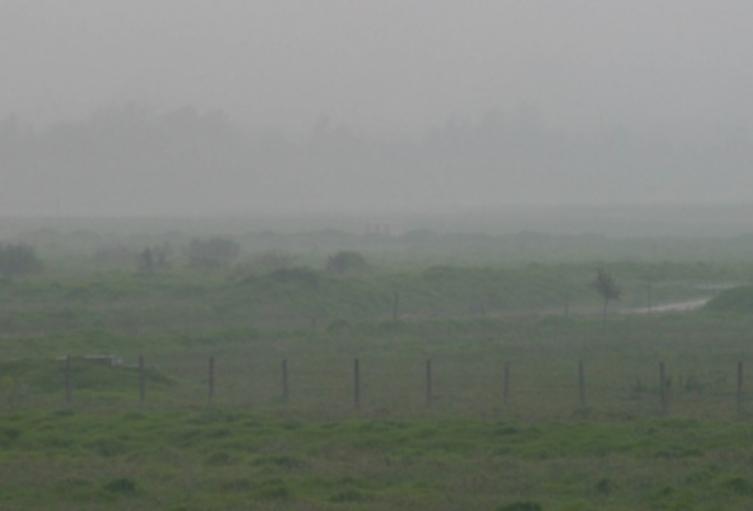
<point>192,108</point>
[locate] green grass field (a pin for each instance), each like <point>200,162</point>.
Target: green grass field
<point>541,448</point>
<point>204,460</point>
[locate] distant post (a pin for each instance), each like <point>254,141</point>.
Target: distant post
<point>356,384</point>
<point>429,390</point>
<point>285,388</point>
<point>68,388</point>
<point>506,383</point>
<point>581,384</point>
<point>142,380</point>
<point>740,387</point>
<point>395,306</point>
<point>663,387</point>
<point>211,379</point>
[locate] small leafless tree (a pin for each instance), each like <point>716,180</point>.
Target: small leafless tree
<point>606,286</point>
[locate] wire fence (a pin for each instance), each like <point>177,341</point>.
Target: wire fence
<point>381,387</point>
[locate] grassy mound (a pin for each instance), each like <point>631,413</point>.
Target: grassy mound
<point>737,300</point>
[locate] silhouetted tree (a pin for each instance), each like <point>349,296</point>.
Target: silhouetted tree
<point>18,260</point>
<point>606,286</point>
<point>160,258</point>
<point>146,261</point>
<point>153,259</point>
<point>346,261</point>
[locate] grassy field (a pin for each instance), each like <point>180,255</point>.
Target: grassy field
<point>541,448</point>
<point>206,460</point>
<point>309,298</point>
<point>700,350</point>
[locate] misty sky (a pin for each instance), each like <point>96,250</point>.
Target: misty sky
<point>651,77</point>
<point>386,63</point>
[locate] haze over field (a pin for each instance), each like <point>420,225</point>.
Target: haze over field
<point>172,108</point>
<point>376,255</point>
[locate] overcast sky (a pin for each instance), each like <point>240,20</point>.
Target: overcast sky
<point>390,64</point>
<point>645,76</point>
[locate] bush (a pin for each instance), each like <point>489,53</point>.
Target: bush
<point>604,486</point>
<point>521,506</point>
<point>346,261</point>
<point>18,260</point>
<point>121,486</point>
<point>153,259</point>
<point>349,496</point>
<point>739,486</point>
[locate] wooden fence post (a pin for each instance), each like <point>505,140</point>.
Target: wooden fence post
<point>663,387</point>
<point>740,387</point>
<point>356,384</point>
<point>68,383</point>
<point>211,379</point>
<point>429,390</point>
<point>581,384</point>
<point>506,383</point>
<point>142,380</point>
<point>285,387</point>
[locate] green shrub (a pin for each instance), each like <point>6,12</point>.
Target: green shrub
<point>604,486</point>
<point>739,485</point>
<point>121,486</point>
<point>521,506</point>
<point>349,496</point>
